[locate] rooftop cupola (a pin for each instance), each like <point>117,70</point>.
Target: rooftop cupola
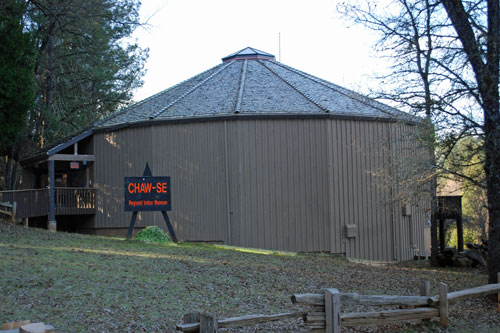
<point>248,53</point>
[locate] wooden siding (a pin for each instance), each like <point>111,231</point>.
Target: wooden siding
<point>118,154</point>
<point>357,152</point>
<point>407,155</point>
<point>193,156</point>
<point>285,184</point>
<point>278,184</point>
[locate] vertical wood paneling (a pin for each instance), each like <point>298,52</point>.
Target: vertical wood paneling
<point>333,197</point>
<point>289,184</point>
<point>357,150</point>
<point>289,217</point>
<point>194,156</point>
<point>383,216</point>
<point>409,229</point>
<point>370,233</point>
<point>279,197</point>
<point>189,154</point>
<point>368,154</point>
<point>118,155</point>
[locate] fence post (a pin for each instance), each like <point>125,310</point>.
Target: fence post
<point>498,297</point>
<point>425,288</point>
<point>332,310</point>
<point>25,222</point>
<point>208,323</point>
<point>14,209</point>
<point>189,318</point>
<point>443,305</point>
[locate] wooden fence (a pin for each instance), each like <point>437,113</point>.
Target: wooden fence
<point>30,203</point>
<point>68,201</point>
<point>207,322</point>
<point>8,210</point>
<point>325,312</point>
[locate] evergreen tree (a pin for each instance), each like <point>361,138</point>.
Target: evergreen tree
<point>16,81</point>
<point>64,64</point>
<point>85,65</point>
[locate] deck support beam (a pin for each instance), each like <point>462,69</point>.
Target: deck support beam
<point>442,234</point>
<point>460,233</point>
<point>52,224</point>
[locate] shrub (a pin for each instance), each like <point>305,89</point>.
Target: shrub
<point>153,234</point>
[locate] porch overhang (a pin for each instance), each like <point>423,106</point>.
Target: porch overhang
<point>59,151</point>
<point>52,153</point>
<point>71,157</point>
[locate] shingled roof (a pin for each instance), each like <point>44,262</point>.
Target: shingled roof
<point>251,82</point>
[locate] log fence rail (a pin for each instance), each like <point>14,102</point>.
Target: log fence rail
<point>325,314</point>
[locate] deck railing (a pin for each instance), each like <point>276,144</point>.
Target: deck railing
<point>30,203</point>
<point>68,201</point>
<point>75,201</point>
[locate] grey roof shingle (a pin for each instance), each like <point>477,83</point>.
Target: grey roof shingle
<point>248,82</point>
<point>251,86</point>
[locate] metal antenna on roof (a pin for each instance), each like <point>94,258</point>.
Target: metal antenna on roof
<point>279,46</point>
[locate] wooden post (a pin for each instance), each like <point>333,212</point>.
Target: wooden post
<point>14,208</point>
<point>442,235</point>
<point>169,226</point>
<point>443,305</point>
<point>460,232</point>
<point>332,310</point>
<point>131,228</point>
<point>425,288</point>
<point>25,222</point>
<point>193,317</point>
<point>498,297</point>
<point>52,224</point>
<point>208,323</point>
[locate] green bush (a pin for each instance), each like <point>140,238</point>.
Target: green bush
<point>471,234</point>
<point>153,234</point>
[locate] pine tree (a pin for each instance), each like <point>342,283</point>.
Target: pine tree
<point>16,81</point>
<point>85,66</point>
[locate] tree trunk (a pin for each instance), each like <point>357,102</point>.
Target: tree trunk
<point>433,189</point>
<point>492,168</point>
<point>490,95</point>
<point>13,180</point>
<point>8,173</point>
<point>434,225</point>
<point>486,74</point>
<point>442,234</point>
<point>10,169</point>
<point>15,174</point>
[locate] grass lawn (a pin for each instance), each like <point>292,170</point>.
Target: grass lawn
<point>81,283</point>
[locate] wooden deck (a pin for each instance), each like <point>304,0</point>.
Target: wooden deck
<point>68,201</point>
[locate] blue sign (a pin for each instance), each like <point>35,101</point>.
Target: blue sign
<point>147,193</point>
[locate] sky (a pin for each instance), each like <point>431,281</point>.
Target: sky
<point>187,37</point>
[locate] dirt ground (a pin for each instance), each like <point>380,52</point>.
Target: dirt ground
<point>81,283</point>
